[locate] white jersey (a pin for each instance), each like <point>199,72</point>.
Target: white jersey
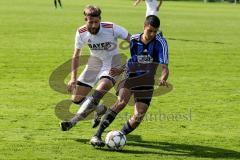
<point>151,7</point>
<point>103,49</point>
<point>104,43</point>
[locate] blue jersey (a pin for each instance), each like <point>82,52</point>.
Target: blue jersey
<point>155,51</point>
<point>145,56</point>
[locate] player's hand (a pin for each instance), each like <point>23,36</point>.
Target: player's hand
<point>71,85</point>
<point>163,83</point>
<point>115,72</point>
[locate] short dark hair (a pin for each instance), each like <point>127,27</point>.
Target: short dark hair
<point>92,11</point>
<point>152,20</point>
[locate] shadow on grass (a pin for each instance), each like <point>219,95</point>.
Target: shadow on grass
<point>165,148</point>
<point>171,149</point>
<point>190,40</point>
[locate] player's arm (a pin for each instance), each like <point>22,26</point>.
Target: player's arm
<point>122,33</point>
<point>164,76</point>
<point>136,2</point>
<point>159,5</point>
<point>75,64</point>
<point>163,59</point>
<point>128,37</point>
<point>117,71</point>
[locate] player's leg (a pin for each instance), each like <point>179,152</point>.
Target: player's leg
<point>55,3</point>
<point>142,97</point>
<point>86,81</point>
<point>90,104</point>
<point>139,113</point>
<point>106,82</point>
<point>123,98</point>
<point>79,98</point>
<point>59,2</point>
<point>91,74</point>
<point>104,85</point>
<point>79,94</point>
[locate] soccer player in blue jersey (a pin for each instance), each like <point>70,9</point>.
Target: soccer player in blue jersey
<point>148,50</point>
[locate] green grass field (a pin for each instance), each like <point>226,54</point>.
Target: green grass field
<point>36,38</point>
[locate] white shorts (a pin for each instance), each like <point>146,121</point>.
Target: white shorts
<point>151,12</point>
<point>151,7</point>
<point>98,68</point>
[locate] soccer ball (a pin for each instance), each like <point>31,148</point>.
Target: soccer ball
<point>115,140</point>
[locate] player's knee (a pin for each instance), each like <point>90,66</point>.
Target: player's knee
<point>77,99</point>
<point>137,118</point>
<point>121,103</point>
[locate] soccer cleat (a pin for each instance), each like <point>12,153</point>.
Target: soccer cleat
<point>65,126</point>
<point>96,141</point>
<point>101,109</point>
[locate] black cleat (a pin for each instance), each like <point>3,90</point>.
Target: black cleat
<point>65,125</point>
<point>96,141</point>
<point>98,115</point>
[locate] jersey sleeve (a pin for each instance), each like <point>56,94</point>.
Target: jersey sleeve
<point>78,41</point>
<point>162,51</point>
<point>120,32</point>
<point>132,48</point>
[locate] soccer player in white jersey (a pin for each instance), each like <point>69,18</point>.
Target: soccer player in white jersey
<point>152,6</point>
<point>101,38</point>
<point>59,2</point>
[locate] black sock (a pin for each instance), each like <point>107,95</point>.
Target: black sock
<point>97,96</point>
<point>59,1</point>
<point>106,121</point>
<point>127,128</point>
<point>55,3</point>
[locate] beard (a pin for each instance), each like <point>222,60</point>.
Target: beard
<point>93,30</point>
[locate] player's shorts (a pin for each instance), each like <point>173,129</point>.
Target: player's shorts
<point>151,12</point>
<point>142,89</point>
<point>98,68</point>
<point>143,94</point>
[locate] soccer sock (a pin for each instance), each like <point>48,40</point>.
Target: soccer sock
<point>101,109</point>
<point>106,121</point>
<point>55,3</point>
<point>127,128</point>
<point>76,118</point>
<point>97,96</point>
<point>59,1</point>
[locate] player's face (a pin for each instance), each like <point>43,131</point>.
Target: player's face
<point>149,32</point>
<point>93,24</point>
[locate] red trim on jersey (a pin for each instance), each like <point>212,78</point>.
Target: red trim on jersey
<point>107,25</point>
<point>82,29</point>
